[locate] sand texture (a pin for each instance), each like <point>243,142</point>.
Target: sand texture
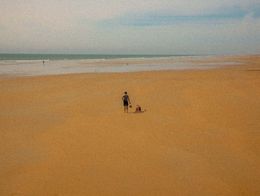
<point>67,135</point>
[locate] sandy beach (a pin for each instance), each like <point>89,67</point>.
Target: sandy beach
<point>68,134</point>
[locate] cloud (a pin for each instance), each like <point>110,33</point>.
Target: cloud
<point>190,14</point>
<point>133,26</point>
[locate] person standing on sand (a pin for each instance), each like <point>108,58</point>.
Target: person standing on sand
<point>126,102</point>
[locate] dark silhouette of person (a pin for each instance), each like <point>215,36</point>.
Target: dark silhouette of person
<point>126,102</point>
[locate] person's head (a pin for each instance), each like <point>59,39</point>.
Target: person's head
<point>125,93</point>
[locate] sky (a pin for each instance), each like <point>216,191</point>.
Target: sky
<point>130,26</point>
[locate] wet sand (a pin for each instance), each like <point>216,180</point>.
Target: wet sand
<point>68,135</point>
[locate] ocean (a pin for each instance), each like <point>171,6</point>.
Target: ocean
<point>57,64</point>
<point>74,56</point>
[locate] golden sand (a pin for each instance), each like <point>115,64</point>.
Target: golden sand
<point>68,135</point>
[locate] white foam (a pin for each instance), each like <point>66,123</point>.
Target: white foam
<point>57,67</point>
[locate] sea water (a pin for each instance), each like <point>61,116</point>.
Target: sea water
<point>74,56</point>
<point>56,64</point>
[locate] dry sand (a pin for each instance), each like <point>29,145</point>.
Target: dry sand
<point>68,135</point>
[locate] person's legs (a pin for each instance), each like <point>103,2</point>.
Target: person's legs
<point>126,108</point>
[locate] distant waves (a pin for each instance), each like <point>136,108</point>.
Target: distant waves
<point>112,65</point>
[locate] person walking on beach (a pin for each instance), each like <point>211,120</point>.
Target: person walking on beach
<point>126,102</point>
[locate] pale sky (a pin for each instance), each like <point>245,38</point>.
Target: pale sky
<point>130,26</point>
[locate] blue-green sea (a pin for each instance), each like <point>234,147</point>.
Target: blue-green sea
<point>57,64</point>
<point>74,56</point>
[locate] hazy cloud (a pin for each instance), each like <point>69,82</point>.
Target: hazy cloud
<point>143,26</point>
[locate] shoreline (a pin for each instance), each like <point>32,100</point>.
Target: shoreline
<point>59,67</point>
